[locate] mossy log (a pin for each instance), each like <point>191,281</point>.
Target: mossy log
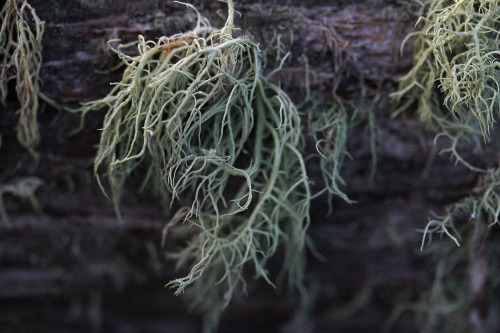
<point>77,267</point>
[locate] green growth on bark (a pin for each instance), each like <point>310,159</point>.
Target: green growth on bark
<point>465,277</point>
<point>460,293</point>
<point>330,129</point>
<point>21,33</point>
<point>456,50</point>
<point>197,119</point>
<point>23,188</point>
<point>456,64</point>
<point>330,121</point>
<point>484,206</point>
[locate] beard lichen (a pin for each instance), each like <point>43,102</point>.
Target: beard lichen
<point>457,48</point>
<point>456,64</point>
<point>330,130</point>
<point>486,206</point>
<point>195,115</point>
<point>330,119</point>
<point>465,277</point>
<point>460,292</point>
<point>20,60</point>
<point>23,188</point>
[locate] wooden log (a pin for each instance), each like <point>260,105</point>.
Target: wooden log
<point>80,268</point>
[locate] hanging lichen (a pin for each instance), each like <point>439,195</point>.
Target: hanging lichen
<point>196,117</point>
<point>23,188</point>
<point>486,206</point>
<point>330,129</point>
<point>456,63</point>
<point>457,51</point>
<point>466,276</point>
<point>20,60</point>
<point>330,120</point>
<point>459,294</point>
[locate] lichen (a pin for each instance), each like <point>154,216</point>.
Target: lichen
<point>457,48</point>
<point>455,85</point>
<point>20,60</point>
<point>330,119</point>
<point>464,277</point>
<point>456,64</point>
<point>196,118</point>
<point>485,206</point>
<point>23,188</point>
<point>330,130</point>
<point>460,291</point>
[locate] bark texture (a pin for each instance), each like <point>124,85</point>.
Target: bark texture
<point>79,268</point>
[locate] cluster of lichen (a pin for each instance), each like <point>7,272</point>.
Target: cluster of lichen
<point>461,267</point>
<point>449,295</point>
<point>330,119</point>
<point>485,206</point>
<point>330,128</point>
<point>454,84</point>
<point>195,116</point>
<point>20,60</point>
<point>456,63</point>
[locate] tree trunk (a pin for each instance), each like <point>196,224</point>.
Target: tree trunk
<point>78,267</point>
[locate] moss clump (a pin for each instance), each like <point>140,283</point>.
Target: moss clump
<point>457,52</point>
<point>20,60</point>
<point>196,117</point>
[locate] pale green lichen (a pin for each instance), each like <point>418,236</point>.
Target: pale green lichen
<point>444,299</point>
<point>330,129</point>
<point>23,188</point>
<point>455,84</point>
<point>20,60</point>
<point>330,121</point>
<point>462,272</point>
<point>486,206</point>
<point>456,64</point>
<point>457,50</point>
<point>196,117</point>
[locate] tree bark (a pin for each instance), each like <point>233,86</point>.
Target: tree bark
<point>79,268</point>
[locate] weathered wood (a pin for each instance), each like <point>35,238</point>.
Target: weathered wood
<point>80,268</point>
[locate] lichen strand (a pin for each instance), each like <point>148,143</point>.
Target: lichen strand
<point>278,216</point>
<point>464,276</point>
<point>457,49</point>
<point>330,130</point>
<point>20,60</point>
<point>203,125</point>
<point>23,188</point>
<point>485,206</point>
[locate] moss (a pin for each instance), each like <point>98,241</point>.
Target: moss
<point>20,60</point>
<point>196,117</point>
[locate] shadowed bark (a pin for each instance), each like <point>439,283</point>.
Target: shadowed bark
<point>79,268</point>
